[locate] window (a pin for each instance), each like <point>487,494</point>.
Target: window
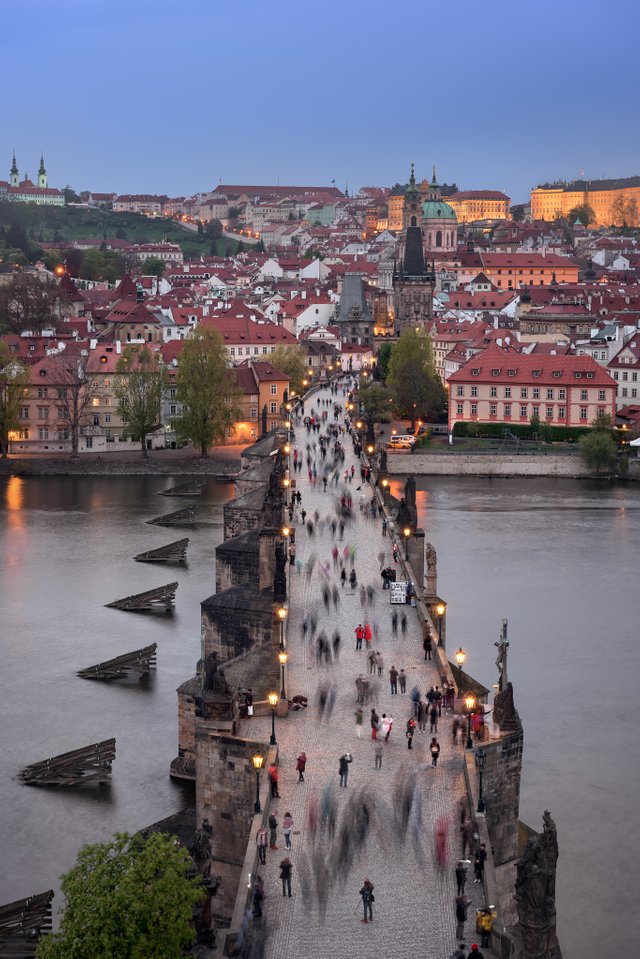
<point>507,392</point>
<point>264,350</point>
<point>460,409</point>
<point>615,375</point>
<point>253,413</point>
<point>24,413</point>
<point>634,377</point>
<point>107,417</point>
<point>474,409</point>
<point>274,425</point>
<point>273,407</point>
<point>536,393</point>
<point>562,394</point>
<point>173,409</point>
<point>549,412</point>
<point>274,389</point>
<point>583,394</point>
<point>557,374</point>
<point>460,391</point>
<point>549,394</point>
<point>494,391</point>
<point>172,393</point>
<point>523,392</point>
<point>43,412</point>
<point>535,411</point>
<point>474,390</point>
<point>43,433</point>
<point>507,410</point>
<point>232,351</point>
<point>43,392</point>
<point>493,410</point>
<point>634,393</point>
<point>583,412</point>
<point>624,391</point>
<point>602,395</point>
<point>523,412</point>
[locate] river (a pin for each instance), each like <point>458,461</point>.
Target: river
<point>561,561</point>
<point>66,549</point>
<point>558,559</point>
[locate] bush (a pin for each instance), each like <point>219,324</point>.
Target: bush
<point>554,434</point>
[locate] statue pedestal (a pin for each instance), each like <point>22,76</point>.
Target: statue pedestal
<point>282,709</point>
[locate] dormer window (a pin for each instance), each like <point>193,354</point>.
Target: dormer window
<point>557,374</point>
<point>578,375</point>
<point>511,372</point>
<point>495,372</point>
<point>475,372</point>
<point>536,373</point>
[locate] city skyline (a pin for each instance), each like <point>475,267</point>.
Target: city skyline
<point>148,98</point>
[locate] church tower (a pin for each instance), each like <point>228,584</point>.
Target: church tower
<point>14,178</point>
<point>412,281</point>
<point>42,174</point>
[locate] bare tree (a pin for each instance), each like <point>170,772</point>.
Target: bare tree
<point>74,393</point>
<point>28,303</point>
<point>14,380</point>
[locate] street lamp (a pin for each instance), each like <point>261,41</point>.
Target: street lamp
<point>481,758</point>
<point>257,765</point>
<point>407,533</point>
<point>286,449</point>
<point>286,532</point>
<point>440,610</point>
<point>273,702</point>
<point>460,658</point>
<point>470,702</point>
<point>282,615</point>
<point>370,449</point>
<point>282,656</point>
<point>385,484</point>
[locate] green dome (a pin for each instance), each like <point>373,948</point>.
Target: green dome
<point>437,210</point>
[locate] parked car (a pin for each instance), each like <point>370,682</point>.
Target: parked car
<point>404,442</point>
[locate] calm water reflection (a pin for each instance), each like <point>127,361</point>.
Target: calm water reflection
<point>66,548</point>
<point>561,561</point>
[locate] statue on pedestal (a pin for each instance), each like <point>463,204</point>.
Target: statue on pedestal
<point>280,576</point>
<point>504,711</point>
<point>403,516</point>
<point>410,499</point>
<point>432,571</point>
<point>383,460</point>
<point>536,894</point>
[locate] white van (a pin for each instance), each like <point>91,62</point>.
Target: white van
<point>403,442</point>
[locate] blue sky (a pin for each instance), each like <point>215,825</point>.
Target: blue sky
<point>160,96</point>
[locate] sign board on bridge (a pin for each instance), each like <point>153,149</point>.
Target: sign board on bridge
<point>398,592</point>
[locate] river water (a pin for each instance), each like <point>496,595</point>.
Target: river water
<point>66,548</point>
<point>559,559</point>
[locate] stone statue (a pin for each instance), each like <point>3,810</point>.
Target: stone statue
<point>501,661</point>
<point>432,571</point>
<point>535,894</point>
<point>383,460</point>
<point>504,711</point>
<point>201,848</point>
<point>280,576</point>
<point>410,498</point>
<point>403,516</point>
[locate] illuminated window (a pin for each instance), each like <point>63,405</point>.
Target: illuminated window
<point>95,401</point>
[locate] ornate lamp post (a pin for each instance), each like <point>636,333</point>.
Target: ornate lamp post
<point>273,702</point>
<point>440,610</point>
<point>257,765</point>
<point>481,758</point>
<point>407,535</point>
<point>460,658</point>
<point>283,657</point>
<point>470,703</point>
<point>282,615</point>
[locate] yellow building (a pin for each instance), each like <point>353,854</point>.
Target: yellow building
<point>472,205</point>
<point>613,202</point>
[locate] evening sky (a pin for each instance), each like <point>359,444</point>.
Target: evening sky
<point>168,97</point>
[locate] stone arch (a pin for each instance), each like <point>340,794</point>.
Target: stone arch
<point>414,221</point>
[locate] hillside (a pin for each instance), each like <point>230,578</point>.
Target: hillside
<point>58,224</point>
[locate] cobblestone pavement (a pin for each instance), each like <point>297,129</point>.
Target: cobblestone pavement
<point>414,899</point>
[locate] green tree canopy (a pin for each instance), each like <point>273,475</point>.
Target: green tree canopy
<point>598,451</point>
<point>582,212</point>
<point>602,423</point>
<point>290,359</point>
<point>153,266</point>
<point>130,898</point>
<point>383,357</point>
<point>14,380</point>
<point>208,390</point>
<point>416,388</point>
<point>139,388</point>
<point>377,402</point>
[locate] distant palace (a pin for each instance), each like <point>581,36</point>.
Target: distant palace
<point>614,202</point>
<point>25,191</point>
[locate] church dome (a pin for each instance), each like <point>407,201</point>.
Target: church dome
<point>437,210</point>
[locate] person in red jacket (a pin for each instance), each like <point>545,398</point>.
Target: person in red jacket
<point>273,779</point>
<point>359,631</point>
<point>301,765</point>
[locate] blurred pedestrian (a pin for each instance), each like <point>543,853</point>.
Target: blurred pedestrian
<point>286,868</point>
<point>461,876</point>
<point>262,841</point>
<point>287,826</point>
<point>301,765</point>
<point>461,908</point>
<point>367,900</point>
<point>434,749</point>
<point>402,679</point>
<point>343,768</point>
<point>378,751</point>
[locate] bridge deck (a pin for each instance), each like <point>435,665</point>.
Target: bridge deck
<point>414,897</point>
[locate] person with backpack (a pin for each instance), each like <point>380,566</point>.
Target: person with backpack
<point>286,868</point>
<point>368,900</point>
<point>273,831</point>
<point>261,842</point>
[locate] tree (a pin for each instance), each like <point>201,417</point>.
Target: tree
<point>233,214</point>
<point>70,195</point>
<point>384,355</point>
<point>153,266</point>
<point>29,303</point>
<point>377,402</point>
<point>534,424</point>
<point>139,389</point>
<point>74,394</point>
<point>290,359</point>
<point>602,422</point>
<point>130,898</point>
<point>416,387</point>
<point>208,390</point>
<point>14,380</point>
<point>583,212</point>
<point>213,230</point>
<point>598,450</point>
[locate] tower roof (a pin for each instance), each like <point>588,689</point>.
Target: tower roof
<point>437,210</point>
<point>41,171</point>
<point>352,301</point>
<point>14,165</point>
<point>413,262</point>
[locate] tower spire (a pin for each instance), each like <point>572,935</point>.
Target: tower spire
<point>14,177</point>
<point>42,174</point>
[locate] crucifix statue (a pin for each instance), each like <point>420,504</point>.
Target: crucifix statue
<point>501,661</point>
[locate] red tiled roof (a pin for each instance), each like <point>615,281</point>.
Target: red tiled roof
<point>531,369</point>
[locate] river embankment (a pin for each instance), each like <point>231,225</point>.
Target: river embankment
<point>224,463</point>
<point>487,465</point>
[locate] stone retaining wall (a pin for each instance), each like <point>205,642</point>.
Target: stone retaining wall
<point>480,464</point>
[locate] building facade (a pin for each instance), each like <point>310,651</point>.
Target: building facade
<point>502,386</point>
<point>612,201</point>
<point>472,205</point>
<point>25,191</point>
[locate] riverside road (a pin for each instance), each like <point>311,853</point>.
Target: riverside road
<point>384,824</point>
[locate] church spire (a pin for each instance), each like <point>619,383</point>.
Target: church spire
<point>42,174</point>
<point>14,178</point>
